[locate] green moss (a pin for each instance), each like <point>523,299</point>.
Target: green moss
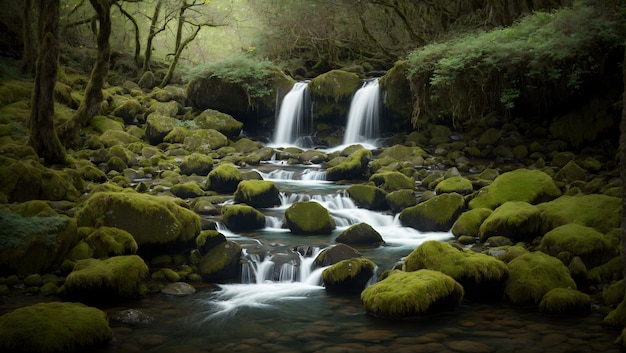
<point>190,189</point>
<point>205,140</point>
<point>101,124</point>
<point>607,272</point>
<point>112,138</point>
<point>53,327</point>
<point>613,294</point>
<point>196,163</point>
<point>242,217</point>
<point>208,239</point>
<point>109,241</point>
<point>565,301</point>
<point>457,184</point>
<point>360,234</point>
<point>403,153</point>
<point>532,275</point>
<point>392,181</point>
<point>107,279</point>
<point>335,85</point>
<point>435,214</point>
<point>593,247</point>
<point>368,196</point>
<point>412,293</point>
<point>353,167</point>
<point>308,217</point>
<point>15,90</point>
<point>617,316</point>
<point>469,222</point>
<point>221,263</point>
<point>517,220</point>
<point>349,275</point>
<point>224,178</point>
<point>601,212</point>
<point>532,186</point>
<point>81,251</point>
<point>257,193</point>
<point>34,208</point>
<point>400,199</point>
<point>222,122</point>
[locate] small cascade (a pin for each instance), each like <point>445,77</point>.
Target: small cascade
<point>292,267</point>
<point>294,116</point>
<point>363,117</point>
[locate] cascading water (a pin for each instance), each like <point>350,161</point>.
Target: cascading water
<point>363,117</point>
<point>294,116</point>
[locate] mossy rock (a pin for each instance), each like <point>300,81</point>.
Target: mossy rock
<point>177,135</point>
<point>130,111</point>
<point>368,196</point>
<point>224,178</point>
<point>348,276</point>
<point>312,157</point>
<point>196,163</point>
<point>333,254</point>
<point>507,253</point>
<point>257,193</point>
<point>400,199</point>
<point>26,180</point>
<point>221,263</point>
<point>403,153</point>
<point>613,294</point>
<point>353,167</point>
<point>437,214</point>
<point>565,301</point>
<point>116,164</point>
<point>102,123</point>
<point>607,272</point>
<point>54,327</point>
<point>457,184</point>
<point>112,138</point>
<point>333,91</point>
<point>110,241</point>
<point>111,279</point>
<point>158,126</point>
<point>33,208</point>
<point>570,173</point>
<point>482,276</point>
<point>308,218</point>
<point>532,275</point>
<point>360,234</point>
<point>150,219</point>
<point>15,90</point>
<point>593,247</point>
<point>245,145</point>
<point>616,317</point>
<point>598,211</point>
<point>517,220</point>
<point>397,88</point>
<point>391,181</point>
<point>205,140</point>
<point>490,137</point>
<point>81,251</point>
<point>187,190</point>
<point>404,294</point>
<point>208,239</point>
<point>222,122</point>
<point>528,185</point>
<point>469,222</point>
<point>242,217</point>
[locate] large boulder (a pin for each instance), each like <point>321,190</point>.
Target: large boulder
<point>391,181</point>
<point>334,254</point>
<point>158,126</point>
<point>24,180</point>
<point>224,178</point>
<point>149,219</point>
<point>436,214</point>
<point>401,199</point>
<point>196,163</point>
<point>309,218</point>
<point>368,196</point>
<point>221,263</point>
<point>222,122</point>
<point>332,92</point>
<point>598,211</point>
<point>352,167</point>
<point>54,327</point>
<point>517,220</point>
<point>593,247</point>
<point>360,234</point>
<point>204,140</point>
<point>469,222</point>
<point>404,294</point>
<point>565,301</point>
<point>257,193</point>
<point>130,111</point>
<point>208,239</point>
<point>457,184</point>
<point>242,217</point>
<point>348,276</point>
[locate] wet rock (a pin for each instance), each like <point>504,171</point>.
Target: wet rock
<point>391,181</point>
<point>257,193</point>
<point>221,263</point>
<point>179,289</point>
<point>437,214</point>
<point>334,254</point>
<point>517,220</point>
<point>565,301</point>
<point>348,276</point>
<point>469,222</point>
<point>360,234</point>
<point>131,317</point>
<point>352,167</point>
<point>241,217</point>
<point>308,217</point>
<point>401,199</point>
<point>196,163</point>
<point>368,197</point>
<point>224,178</point>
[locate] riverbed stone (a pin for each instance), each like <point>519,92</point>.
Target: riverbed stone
<point>593,247</point>
<point>224,178</point>
<point>404,294</point>
<point>131,317</point>
<point>360,234</point>
<point>469,222</point>
<point>308,217</point>
<point>598,211</point>
<point>436,214</point>
<point>187,190</point>
<point>196,163</point>
<point>109,241</point>
<point>204,140</point>
<point>178,289</point>
<point>241,217</point>
<point>353,167</point>
<point>222,122</point>
<point>221,263</point>
<point>565,301</point>
<point>257,193</point>
<point>348,276</point>
<point>517,220</point>
<point>334,254</point>
<point>209,239</point>
<point>368,196</point>
<point>391,181</point>
<point>457,184</point>
<point>158,126</point>
<point>401,199</point>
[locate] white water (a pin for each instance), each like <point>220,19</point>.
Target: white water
<point>363,117</point>
<point>291,122</point>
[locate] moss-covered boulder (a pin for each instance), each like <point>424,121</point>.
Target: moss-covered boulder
<point>308,218</point>
<point>353,167</point>
<point>469,222</point>
<point>242,217</point>
<point>221,263</point>
<point>401,199</point>
<point>54,327</point>
<point>204,140</point>
<point>593,247</point>
<point>368,196</point>
<point>391,181</point>
<point>410,154</point>
<point>333,254</point>
<point>565,301</point>
<point>532,275</point>
<point>457,184</point>
<point>348,276</point>
<point>570,173</point>
<point>24,180</point>
<point>598,211</point>
<point>109,241</point>
<point>222,122</point>
<point>257,193</point>
<point>224,178</point>
<point>102,124</point>
<point>106,280</point>
<point>360,234</point>
<point>158,126</point>
<point>332,92</point>
<point>404,294</point>
<point>150,219</point>
<point>482,276</point>
<point>196,163</point>
<point>187,190</point>
<point>528,185</point>
<point>436,214</point>
<point>208,239</point>
<point>130,111</point>
<point>517,220</point>
<point>397,88</point>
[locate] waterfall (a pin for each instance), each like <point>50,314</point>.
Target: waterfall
<point>256,269</point>
<point>363,114</point>
<point>294,116</point>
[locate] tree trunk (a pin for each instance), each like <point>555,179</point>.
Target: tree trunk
<point>90,106</point>
<point>43,137</point>
<point>151,34</point>
<point>29,53</point>
<point>137,41</point>
<point>622,147</point>
<point>179,51</point>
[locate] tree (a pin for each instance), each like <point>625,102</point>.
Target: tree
<point>29,52</point>
<point>43,137</point>
<point>151,34</point>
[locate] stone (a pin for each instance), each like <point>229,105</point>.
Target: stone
<point>131,317</point>
<point>348,276</point>
<point>436,214</point>
<point>469,222</point>
<point>196,163</point>
<point>241,217</point>
<point>400,199</point>
<point>224,178</point>
<point>308,218</point>
<point>178,289</point>
<point>391,181</point>
<point>593,247</point>
<point>353,167</point>
<point>222,122</point>
<point>517,220</point>
<point>565,301</point>
<point>257,193</point>
<point>221,263</point>
<point>334,254</point>
<point>368,196</point>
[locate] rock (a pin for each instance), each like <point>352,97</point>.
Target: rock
<point>187,190</point>
<point>352,167</point>
<point>457,184</point>
<point>112,138</point>
<point>466,346</point>
<point>469,222</point>
<point>129,111</point>
<point>308,217</point>
<point>482,276</point>
<point>109,241</point>
<point>391,181</point>
<point>368,196</point>
<point>565,301</point>
<point>221,263</point>
<point>435,214</point>
<point>601,212</point>
<point>158,126</point>
<point>532,275</point>
<point>517,220</point>
<point>208,239</point>
<point>532,186</point>
<point>490,137</point>
<point>312,157</point>
<point>360,234</point>
<point>147,80</point>
<point>24,180</point>
<point>204,140</point>
<point>102,124</point>
<point>222,122</point>
<point>593,247</point>
<point>348,276</point>
<point>111,279</point>
<point>334,254</point>
<point>196,163</point>
<point>242,217</point>
<point>413,155</point>
<point>332,92</point>
<point>224,178</point>
<point>400,199</point>
<point>131,317</point>
<point>178,289</point>
<point>149,219</point>
<point>257,193</point>
<point>54,327</point>
<point>404,294</point>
